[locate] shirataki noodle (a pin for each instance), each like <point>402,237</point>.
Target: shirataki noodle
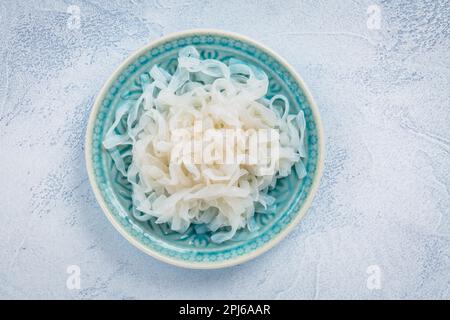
<point>173,134</point>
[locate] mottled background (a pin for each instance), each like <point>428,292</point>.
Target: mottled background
<point>383,206</point>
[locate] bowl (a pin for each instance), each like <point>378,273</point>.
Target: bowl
<point>192,249</point>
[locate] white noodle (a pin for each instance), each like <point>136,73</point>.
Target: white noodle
<point>222,197</point>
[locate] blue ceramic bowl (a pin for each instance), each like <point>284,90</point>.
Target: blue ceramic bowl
<point>192,250</point>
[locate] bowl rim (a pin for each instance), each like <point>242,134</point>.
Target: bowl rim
<point>247,256</point>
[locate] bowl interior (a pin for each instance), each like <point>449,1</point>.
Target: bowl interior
<point>195,245</point>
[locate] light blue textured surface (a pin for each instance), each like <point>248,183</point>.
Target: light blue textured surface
<point>384,199</point>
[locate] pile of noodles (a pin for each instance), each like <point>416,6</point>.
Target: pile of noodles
<point>202,95</point>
